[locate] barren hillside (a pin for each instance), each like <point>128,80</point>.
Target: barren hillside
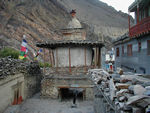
<point>41,20</point>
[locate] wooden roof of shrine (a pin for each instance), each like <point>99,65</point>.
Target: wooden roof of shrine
<point>70,43</point>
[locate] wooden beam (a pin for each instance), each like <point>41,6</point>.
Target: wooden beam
<point>69,61</point>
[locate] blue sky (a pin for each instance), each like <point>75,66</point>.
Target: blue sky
<point>119,4</point>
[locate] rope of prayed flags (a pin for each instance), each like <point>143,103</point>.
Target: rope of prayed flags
<point>24,50</point>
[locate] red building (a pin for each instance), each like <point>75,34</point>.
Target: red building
<point>141,8</point>
<point>133,49</point>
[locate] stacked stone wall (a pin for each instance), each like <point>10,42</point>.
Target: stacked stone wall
<point>121,92</point>
<point>25,76</point>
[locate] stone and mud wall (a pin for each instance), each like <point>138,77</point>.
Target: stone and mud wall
<point>50,86</point>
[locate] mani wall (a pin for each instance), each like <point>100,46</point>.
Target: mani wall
<point>120,93</point>
<point>18,81</point>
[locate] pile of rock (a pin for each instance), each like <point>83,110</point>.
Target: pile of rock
<point>10,66</point>
<point>128,92</point>
<point>33,69</point>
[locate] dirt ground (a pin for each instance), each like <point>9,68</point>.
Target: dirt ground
<point>39,105</point>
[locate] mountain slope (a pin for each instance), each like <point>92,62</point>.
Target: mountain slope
<point>37,19</point>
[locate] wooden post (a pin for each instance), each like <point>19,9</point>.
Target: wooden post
<point>53,59</point>
<point>50,58</point>
<point>95,59</point>
<point>96,56</point>
<point>69,61</point>
<point>56,60</point>
<point>85,59</point>
<point>137,13</point>
<point>129,22</point>
<point>99,57</point>
<point>44,59</point>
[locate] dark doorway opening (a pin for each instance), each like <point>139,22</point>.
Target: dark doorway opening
<point>68,94</point>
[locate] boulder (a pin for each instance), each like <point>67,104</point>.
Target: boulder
<point>145,84</point>
<point>120,72</point>
<point>147,93</point>
<point>136,110</point>
<point>147,87</point>
<point>139,90</point>
<point>112,89</point>
<point>122,98</point>
<point>121,92</point>
<point>125,78</point>
<point>135,99</point>
<point>131,89</point>
<point>136,81</point>
<point>148,109</point>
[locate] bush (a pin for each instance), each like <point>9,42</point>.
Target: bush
<point>9,52</point>
<point>44,64</point>
<point>41,64</point>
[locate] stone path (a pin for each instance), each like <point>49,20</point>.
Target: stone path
<point>37,105</point>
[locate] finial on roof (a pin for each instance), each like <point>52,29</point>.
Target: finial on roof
<point>73,12</point>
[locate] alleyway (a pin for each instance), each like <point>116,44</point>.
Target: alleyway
<point>37,105</point>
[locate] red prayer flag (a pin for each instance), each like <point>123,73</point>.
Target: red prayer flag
<point>23,49</point>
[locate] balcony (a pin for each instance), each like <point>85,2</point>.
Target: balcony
<point>143,27</point>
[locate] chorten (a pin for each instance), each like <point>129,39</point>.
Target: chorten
<point>70,58</point>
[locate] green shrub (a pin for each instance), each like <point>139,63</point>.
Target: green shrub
<point>41,64</point>
<point>44,64</point>
<point>9,52</point>
<point>47,65</point>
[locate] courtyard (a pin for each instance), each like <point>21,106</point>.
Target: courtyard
<point>36,104</point>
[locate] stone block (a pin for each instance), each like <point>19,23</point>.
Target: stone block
<point>122,86</point>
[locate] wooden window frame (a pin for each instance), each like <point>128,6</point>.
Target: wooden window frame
<point>117,52</point>
<point>139,46</point>
<point>146,12</point>
<point>129,49</point>
<point>123,50</point>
